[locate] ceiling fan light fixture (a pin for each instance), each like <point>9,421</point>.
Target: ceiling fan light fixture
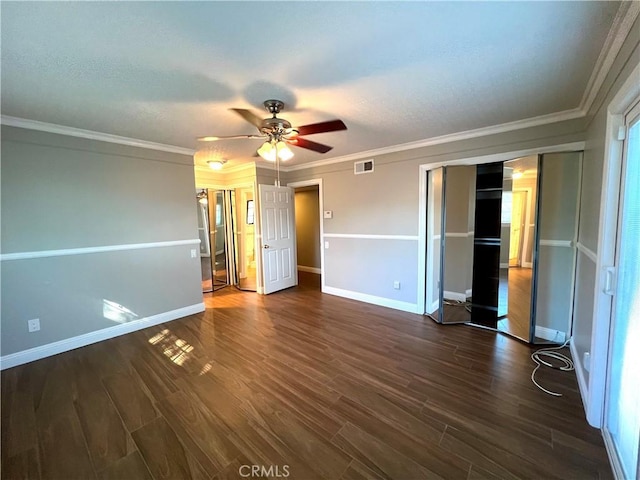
<point>216,164</point>
<point>268,151</point>
<point>284,152</point>
<point>202,197</point>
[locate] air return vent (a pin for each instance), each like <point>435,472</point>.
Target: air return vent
<point>363,166</point>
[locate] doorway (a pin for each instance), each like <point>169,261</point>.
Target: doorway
<point>309,232</point>
<point>226,219</point>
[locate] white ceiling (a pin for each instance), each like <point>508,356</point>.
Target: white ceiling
<point>394,72</point>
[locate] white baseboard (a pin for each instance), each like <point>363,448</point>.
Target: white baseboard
<point>303,268</point>
<point>458,296</point>
<point>580,375</point>
<point>551,334</point>
<point>36,353</point>
<point>364,297</point>
<point>468,293</point>
<point>504,265</point>
<point>527,264</point>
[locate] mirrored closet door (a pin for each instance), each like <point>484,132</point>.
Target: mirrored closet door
<point>501,245</point>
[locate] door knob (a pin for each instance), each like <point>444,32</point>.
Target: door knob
<point>266,246</point>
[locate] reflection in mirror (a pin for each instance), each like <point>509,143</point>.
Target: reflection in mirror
<point>433,300</point>
<point>556,249</point>
<point>245,238</point>
<point>520,183</point>
<point>202,206</point>
<point>458,226</point>
<point>219,243</point>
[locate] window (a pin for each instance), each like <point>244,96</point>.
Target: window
<point>507,201</point>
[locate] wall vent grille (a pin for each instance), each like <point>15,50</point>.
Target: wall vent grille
<point>363,166</point>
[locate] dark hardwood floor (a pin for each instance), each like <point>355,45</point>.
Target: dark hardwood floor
<point>324,386</point>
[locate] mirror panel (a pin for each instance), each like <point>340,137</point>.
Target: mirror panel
<point>433,294</point>
<point>556,252</point>
<point>458,224</point>
<point>518,212</point>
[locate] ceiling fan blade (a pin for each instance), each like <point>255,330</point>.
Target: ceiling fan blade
<point>309,145</point>
<point>330,126</point>
<point>227,137</point>
<point>249,116</point>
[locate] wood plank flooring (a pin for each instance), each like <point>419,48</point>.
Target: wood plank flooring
<point>329,387</point>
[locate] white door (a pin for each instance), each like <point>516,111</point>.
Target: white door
<point>278,238</point>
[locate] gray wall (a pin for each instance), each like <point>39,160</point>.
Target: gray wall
<point>385,203</point>
<point>62,192</point>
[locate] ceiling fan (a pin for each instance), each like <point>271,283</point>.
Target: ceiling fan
<point>279,132</point>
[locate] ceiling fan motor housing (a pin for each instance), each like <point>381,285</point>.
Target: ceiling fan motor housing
<point>275,126</point>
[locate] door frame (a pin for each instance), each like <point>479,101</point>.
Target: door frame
<point>524,241</point>
<point>309,183</point>
<point>476,160</point>
<point>593,390</point>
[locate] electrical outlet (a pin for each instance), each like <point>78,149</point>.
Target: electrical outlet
<point>396,285</point>
<point>34,325</point>
<point>194,253</point>
<point>326,245</point>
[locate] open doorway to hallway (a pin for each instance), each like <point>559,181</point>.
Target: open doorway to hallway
<point>308,235</point>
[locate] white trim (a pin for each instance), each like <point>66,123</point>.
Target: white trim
<point>506,156</point>
<point>614,460</point>
<point>452,137</point>
<point>309,183</point>
<point>315,270</point>
<point>550,334</point>
<point>468,293</point>
<point>620,28</point>
<point>504,265</point>
<point>580,374</point>
<point>36,353</point>
<point>422,295</point>
<point>590,254</point>
<point>91,135</point>
<point>371,237</point>
<point>556,243</point>
<point>607,230</point>
<point>375,300</point>
<point>457,296</point>
<point>457,234</point>
<point>527,264</point>
<point>85,250</point>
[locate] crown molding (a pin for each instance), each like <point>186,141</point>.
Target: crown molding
<point>620,29</point>
<point>449,138</point>
<point>90,135</point>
